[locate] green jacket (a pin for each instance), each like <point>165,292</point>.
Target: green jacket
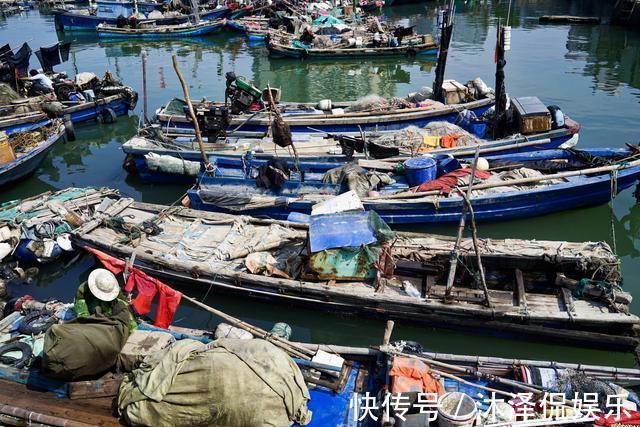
<point>86,304</point>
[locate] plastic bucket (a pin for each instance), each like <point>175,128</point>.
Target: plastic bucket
<point>456,409</point>
<point>419,170</point>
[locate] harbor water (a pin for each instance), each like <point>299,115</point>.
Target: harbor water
<point>591,71</point>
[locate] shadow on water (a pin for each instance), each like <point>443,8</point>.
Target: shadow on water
<point>592,72</point>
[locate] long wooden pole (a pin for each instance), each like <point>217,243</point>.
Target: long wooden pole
<point>144,87</point>
<point>453,259</point>
<point>582,172</point>
<point>286,345</point>
<point>192,113</point>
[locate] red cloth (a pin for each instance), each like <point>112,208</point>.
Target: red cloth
<point>446,182</point>
<point>112,264</point>
<point>147,287</point>
<point>627,417</point>
<point>167,305</point>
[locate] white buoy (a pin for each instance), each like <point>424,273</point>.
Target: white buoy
<point>507,38</point>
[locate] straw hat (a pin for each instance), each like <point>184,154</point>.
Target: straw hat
<point>103,284</point>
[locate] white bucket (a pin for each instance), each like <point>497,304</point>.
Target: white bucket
<point>324,105</point>
<point>351,42</point>
<point>456,409</point>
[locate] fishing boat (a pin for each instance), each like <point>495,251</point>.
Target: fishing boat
<point>524,185</point>
<point>86,98</point>
<point>337,379</point>
<point>320,152</point>
<point>82,20</point>
<point>288,47</point>
<point>256,28</point>
<point>528,290</point>
<point>23,152</point>
<point>152,31</point>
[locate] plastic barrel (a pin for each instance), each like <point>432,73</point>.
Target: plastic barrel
<point>419,170</point>
<point>456,409</point>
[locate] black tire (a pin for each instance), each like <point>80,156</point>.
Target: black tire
<point>37,322</point>
<point>108,116</point>
<point>24,348</point>
<point>69,130</point>
<point>63,90</point>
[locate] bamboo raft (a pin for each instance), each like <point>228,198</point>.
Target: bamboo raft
<point>529,295</point>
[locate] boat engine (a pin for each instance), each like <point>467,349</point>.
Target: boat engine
<point>240,93</point>
<point>213,121</point>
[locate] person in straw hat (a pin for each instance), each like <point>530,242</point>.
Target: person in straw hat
<point>100,295</point>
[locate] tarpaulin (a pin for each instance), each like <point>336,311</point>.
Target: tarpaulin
<point>626,417</point>
<point>147,287</point>
<point>64,51</point>
<point>20,60</point>
<point>5,51</point>
<point>48,57</point>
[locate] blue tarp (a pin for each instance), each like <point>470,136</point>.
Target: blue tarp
<point>346,229</point>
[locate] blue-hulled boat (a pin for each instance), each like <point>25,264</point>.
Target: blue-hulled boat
<point>254,27</point>
<point>152,31</point>
<point>78,21</point>
<point>27,160</point>
<point>236,152</point>
<point>118,105</point>
<point>305,117</point>
<point>579,186</point>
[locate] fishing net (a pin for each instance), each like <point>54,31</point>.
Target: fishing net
<point>375,102</point>
<point>7,94</point>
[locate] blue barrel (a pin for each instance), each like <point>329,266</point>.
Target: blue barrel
<point>419,170</point>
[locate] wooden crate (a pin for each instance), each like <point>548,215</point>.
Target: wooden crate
<point>531,115</point>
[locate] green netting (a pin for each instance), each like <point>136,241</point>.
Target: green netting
<point>383,232</point>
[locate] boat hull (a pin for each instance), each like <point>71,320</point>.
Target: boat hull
<point>320,163</point>
<point>157,33</point>
<point>278,50</point>
<point>29,163</point>
<point>338,123</point>
<point>70,21</point>
<point>78,113</point>
<point>578,192</point>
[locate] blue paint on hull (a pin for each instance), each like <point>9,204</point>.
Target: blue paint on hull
<point>90,112</point>
<point>161,35</point>
<point>318,166</point>
<point>72,21</point>
<point>353,126</point>
<point>578,192</point>
<point>27,164</point>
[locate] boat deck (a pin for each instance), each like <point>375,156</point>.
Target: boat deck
<point>94,411</point>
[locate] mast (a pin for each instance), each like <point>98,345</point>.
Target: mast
<point>446,31</point>
<point>501,92</point>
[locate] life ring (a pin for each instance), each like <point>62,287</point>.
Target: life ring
<point>37,322</point>
<point>24,348</point>
<point>107,116</point>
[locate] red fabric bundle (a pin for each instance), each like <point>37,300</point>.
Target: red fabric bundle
<point>147,287</point>
<point>446,183</point>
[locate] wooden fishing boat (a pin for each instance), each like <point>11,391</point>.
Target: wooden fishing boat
<point>152,31</point>
<point>316,152</point>
<point>515,191</point>
<point>80,21</point>
<point>23,152</point>
<point>527,296</point>
<point>336,387</point>
<point>423,46</point>
<point>302,117</point>
<point>256,28</point>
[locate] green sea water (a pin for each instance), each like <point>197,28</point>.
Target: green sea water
<point>591,72</point>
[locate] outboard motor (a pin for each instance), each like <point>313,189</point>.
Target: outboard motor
<point>240,93</point>
<point>213,121</point>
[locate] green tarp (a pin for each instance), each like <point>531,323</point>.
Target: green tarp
<point>225,383</point>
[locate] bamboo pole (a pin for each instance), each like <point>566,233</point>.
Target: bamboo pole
<point>32,417</point>
<point>192,113</point>
<point>144,87</point>
<point>581,172</point>
<point>474,238</point>
<point>453,259</point>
